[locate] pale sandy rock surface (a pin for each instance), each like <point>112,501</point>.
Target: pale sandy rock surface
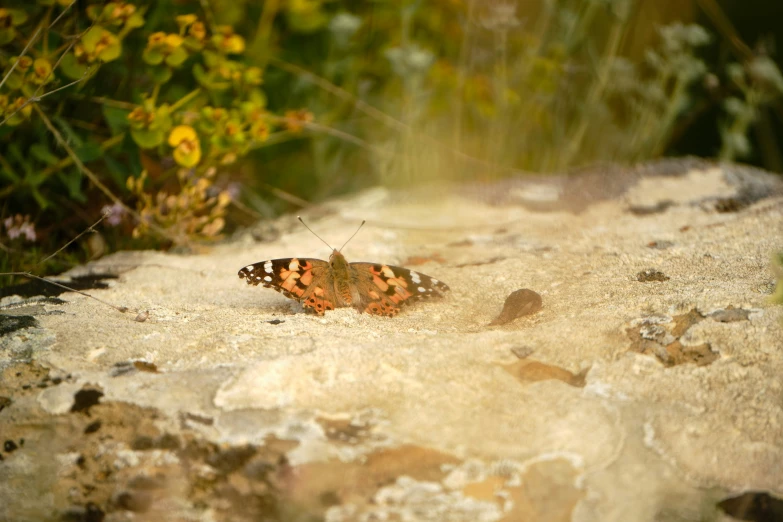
<point>626,397</point>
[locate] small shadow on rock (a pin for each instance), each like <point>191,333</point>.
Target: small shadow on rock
<point>85,399</point>
<point>730,315</point>
<point>754,506</point>
<point>88,513</point>
<point>534,371</point>
<point>13,323</point>
<point>660,244</point>
<point>648,210</point>
<point>518,304</point>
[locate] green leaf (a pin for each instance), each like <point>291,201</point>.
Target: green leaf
<point>43,154</point>
<point>207,81</point>
<point>177,56</point>
<point>92,37</point>
<point>116,118</point>
<point>152,56</point>
<point>89,151</point>
<point>72,179</point>
<point>15,80</point>
<point>18,16</point>
<point>308,21</point>
<point>71,136</point>
<point>135,20</point>
<point>42,201</point>
<point>148,139</point>
<point>111,45</point>
<point>160,74</point>
<point>7,35</point>
<point>71,67</point>
<point>211,58</point>
<point>94,11</point>
<point>118,172</point>
<point>15,152</point>
<point>133,157</point>
<point>257,97</point>
<point>112,51</point>
<point>10,175</point>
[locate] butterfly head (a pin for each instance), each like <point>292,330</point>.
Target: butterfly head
<point>338,261</point>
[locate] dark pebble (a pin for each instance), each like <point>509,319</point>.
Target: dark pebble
<point>519,303</point>
<point>649,275</point>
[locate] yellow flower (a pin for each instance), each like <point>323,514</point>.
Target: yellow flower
<point>198,31</point>
<point>42,69</point>
<point>24,63</point>
<point>186,20</point>
<point>259,130</point>
<point>173,41</point>
<point>296,120</point>
<point>156,39</point>
<point>187,148</point>
<point>228,42</point>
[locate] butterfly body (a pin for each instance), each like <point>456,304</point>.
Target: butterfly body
<point>374,288</point>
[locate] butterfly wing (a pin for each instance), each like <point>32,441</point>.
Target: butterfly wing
<point>308,281</point>
<point>384,288</point>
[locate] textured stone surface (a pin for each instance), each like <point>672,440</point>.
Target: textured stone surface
<point>623,398</point>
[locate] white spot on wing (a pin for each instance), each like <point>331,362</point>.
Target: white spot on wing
<point>268,279</point>
<point>249,268</point>
<point>415,277</point>
<point>435,281</point>
<point>422,289</point>
<point>268,267</point>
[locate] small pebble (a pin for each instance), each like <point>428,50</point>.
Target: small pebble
<point>519,303</point>
<point>651,274</point>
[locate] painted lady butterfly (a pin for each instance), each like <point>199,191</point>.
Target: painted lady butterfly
<point>320,285</point>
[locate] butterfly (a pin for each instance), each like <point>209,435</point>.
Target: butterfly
<point>319,285</point>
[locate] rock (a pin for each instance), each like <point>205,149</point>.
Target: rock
<point>229,403</point>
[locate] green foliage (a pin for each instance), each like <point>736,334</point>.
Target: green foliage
<point>159,112</point>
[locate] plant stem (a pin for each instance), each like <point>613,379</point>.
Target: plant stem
<point>595,94</point>
<point>185,99</point>
<point>260,45</point>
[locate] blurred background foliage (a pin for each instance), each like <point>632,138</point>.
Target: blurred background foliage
<point>181,120</point>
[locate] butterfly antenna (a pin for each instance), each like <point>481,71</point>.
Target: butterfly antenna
<point>316,235</point>
<point>357,231</point>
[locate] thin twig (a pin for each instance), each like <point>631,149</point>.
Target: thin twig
<point>91,228</point>
<point>247,210</point>
<point>24,51</point>
<point>35,99</point>
<point>61,15</point>
<point>106,101</point>
<point>121,309</point>
<point>285,196</point>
